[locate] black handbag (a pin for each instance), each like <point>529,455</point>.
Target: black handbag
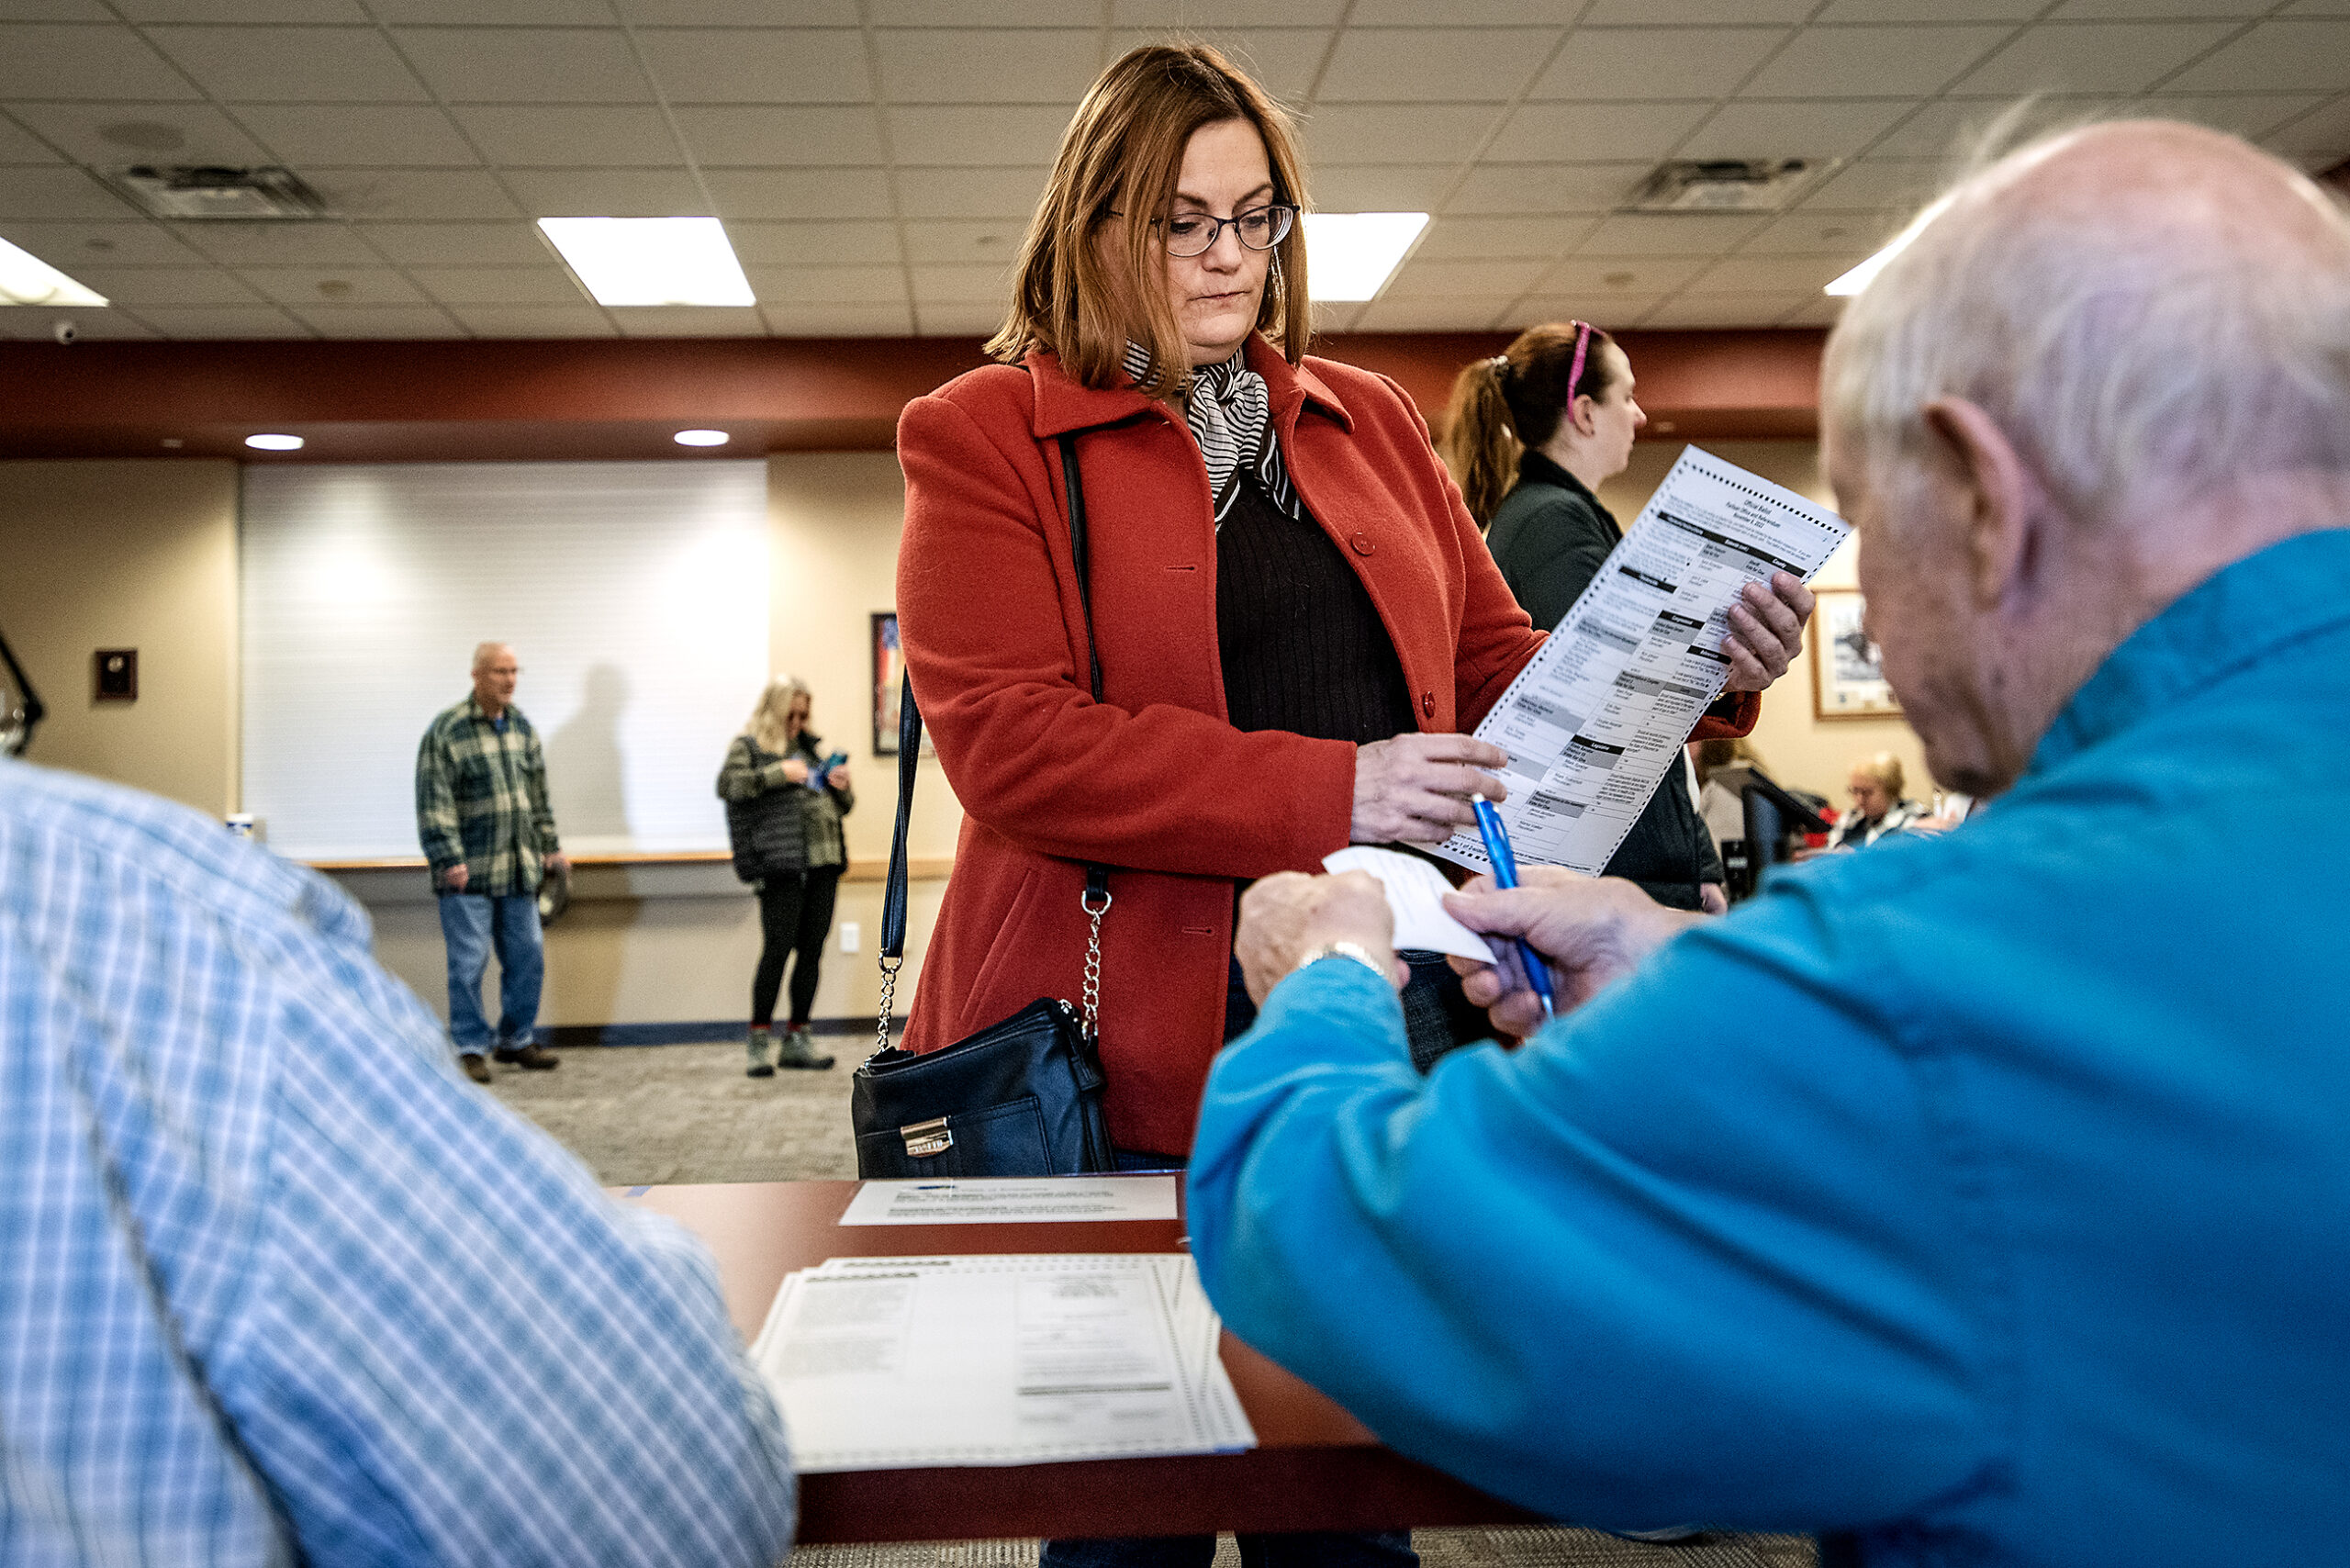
<point>1021,1097</point>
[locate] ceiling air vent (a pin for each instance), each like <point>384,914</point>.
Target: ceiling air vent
<point>205,192</point>
<point>1724,184</point>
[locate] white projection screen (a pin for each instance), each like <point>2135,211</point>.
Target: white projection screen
<point>636,595</point>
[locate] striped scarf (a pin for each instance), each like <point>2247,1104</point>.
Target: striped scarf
<point>1228,410</point>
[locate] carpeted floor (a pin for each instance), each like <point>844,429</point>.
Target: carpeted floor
<point>679,1113</point>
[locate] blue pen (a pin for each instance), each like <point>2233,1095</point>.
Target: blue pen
<point>1505,859</point>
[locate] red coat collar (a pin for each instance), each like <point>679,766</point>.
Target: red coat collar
<point>1062,406</point>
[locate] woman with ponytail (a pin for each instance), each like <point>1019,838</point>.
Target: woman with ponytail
<point>1530,436</point>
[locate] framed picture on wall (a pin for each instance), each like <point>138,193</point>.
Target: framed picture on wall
<point>1847,676</point>
<point>888,674</point>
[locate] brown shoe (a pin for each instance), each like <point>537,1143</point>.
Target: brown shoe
<point>531,1058</point>
<point>476,1068</point>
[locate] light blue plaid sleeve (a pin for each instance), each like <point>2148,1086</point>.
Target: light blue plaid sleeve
<point>279,1285</point>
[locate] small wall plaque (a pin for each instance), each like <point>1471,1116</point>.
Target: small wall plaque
<point>117,675</point>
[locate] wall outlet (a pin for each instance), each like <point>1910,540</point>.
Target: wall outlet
<point>852,936</point>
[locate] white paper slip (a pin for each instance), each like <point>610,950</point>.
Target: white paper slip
<point>1594,721</point>
<point>1416,892</point>
<point>1003,1201</point>
<point>884,1363</point>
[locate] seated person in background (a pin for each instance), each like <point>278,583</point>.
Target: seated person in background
<point>1878,806</point>
<point>279,1285</point>
<point>2006,1224</point>
<point>1724,764</point>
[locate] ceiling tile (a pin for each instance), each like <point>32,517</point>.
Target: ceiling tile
<point>795,286</point>
<point>2249,115</point>
<point>458,244</point>
<point>762,65</point>
<point>200,322</point>
<point>944,65</point>
<point>986,13</point>
<point>281,244</point>
<point>839,320</point>
<point>962,285</point>
<point>142,133</point>
<point>58,195</point>
<point>1546,187</point>
<point>781,136</point>
<point>534,321</point>
<point>1396,313</point>
<point>1674,234</point>
<point>851,245</point>
<point>363,321</point>
<point>1186,15</point>
<point>511,12</point>
<point>771,194</point>
<point>136,286</point>
<point>527,65</point>
<point>1592,133</point>
<point>1282,60</point>
<point>958,320</point>
<point>454,196</point>
<point>1455,238</point>
<point>2324,134</point>
<point>1450,65</point>
<point>1877,185</point>
<point>1599,280</point>
<point>69,245</point>
<point>90,322</point>
<point>607,192</point>
<point>2276,57</point>
<point>1610,309</point>
<point>2150,10</point>
<point>1817,129</point>
<point>2319,8</point>
<point>544,284</point>
<point>354,136</point>
<point>292,64</point>
<point>244,11</point>
<point>828,286</point>
<point>1951,129</point>
<point>1826,233</point>
<point>56,61</point>
<point>1373,187</point>
<point>965,243</point>
<point>568,136</point>
<point>2093,57</point>
<point>1839,11</point>
<point>1778,275</point>
<point>1690,311</point>
<point>1656,62</point>
<point>689,321</point>
<point>306,288</point>
<point>998,135</point>
<point>59,11</point>
<point>18,145</point>
<point>1488,280</point>
<point>738,12</point>
<point>1821,312</point>
<point>1691,12</point>
<point>1397,133</point>
<point>969,192</point>
<point>1821,62</point>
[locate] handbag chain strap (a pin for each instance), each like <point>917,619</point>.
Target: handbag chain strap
<point>1096,897</point>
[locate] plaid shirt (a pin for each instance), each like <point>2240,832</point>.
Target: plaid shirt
<point>279,1286</point>
<point>481,797</point>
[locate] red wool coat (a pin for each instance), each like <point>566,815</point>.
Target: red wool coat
<point>1152,780</point>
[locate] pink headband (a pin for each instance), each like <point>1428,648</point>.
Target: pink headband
<point>1583,341</point>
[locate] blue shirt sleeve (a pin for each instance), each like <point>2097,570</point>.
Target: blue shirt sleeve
<point>1700,1252</point>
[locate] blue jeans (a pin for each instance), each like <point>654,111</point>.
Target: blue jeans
<point>471,924</point>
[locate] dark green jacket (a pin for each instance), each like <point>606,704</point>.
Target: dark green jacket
<point>1550,537</point>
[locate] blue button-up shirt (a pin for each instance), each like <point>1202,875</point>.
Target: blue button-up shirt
<point>1986,1197</point>
<point>275,1284</point>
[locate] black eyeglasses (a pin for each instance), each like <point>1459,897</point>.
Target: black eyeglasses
<point>1195,233</point>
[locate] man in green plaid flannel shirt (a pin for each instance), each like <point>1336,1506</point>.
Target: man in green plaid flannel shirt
<point>488,835</point>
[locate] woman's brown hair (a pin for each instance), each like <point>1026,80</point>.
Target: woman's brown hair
<point>1123,153</point>
<point>1504,404</point>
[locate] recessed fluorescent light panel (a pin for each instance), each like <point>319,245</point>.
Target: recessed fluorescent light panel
<point>1350,255</point>
<point>650,260</point>
<point>26,279</point>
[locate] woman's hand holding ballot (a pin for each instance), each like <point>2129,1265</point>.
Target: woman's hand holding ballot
<point>1416,789</point>
<point>1591,929</point>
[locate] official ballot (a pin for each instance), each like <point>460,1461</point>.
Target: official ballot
<point>894,1364</point>
<point>1592,724</point>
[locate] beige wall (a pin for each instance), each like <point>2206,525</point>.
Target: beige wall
<point>1797,748</point>
<point>129,554</point>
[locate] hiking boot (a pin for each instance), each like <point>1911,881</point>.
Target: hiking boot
<point>530,1057</point>
<point>796,1049</point>
<point>761,1038</point>
<point>476,1068</point>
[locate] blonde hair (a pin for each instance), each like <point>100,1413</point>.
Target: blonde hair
<point>1503,405</point>
<point>1886,769</point>
<point>769,725</point>
<point>1123,153</point>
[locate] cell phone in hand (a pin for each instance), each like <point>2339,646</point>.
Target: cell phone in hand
<point>818,779</point>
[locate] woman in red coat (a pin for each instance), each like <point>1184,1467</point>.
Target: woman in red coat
<point>1294,615</point>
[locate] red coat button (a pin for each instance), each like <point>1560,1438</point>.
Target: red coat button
<point>1428,704</point>
<point>1363,547</point>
